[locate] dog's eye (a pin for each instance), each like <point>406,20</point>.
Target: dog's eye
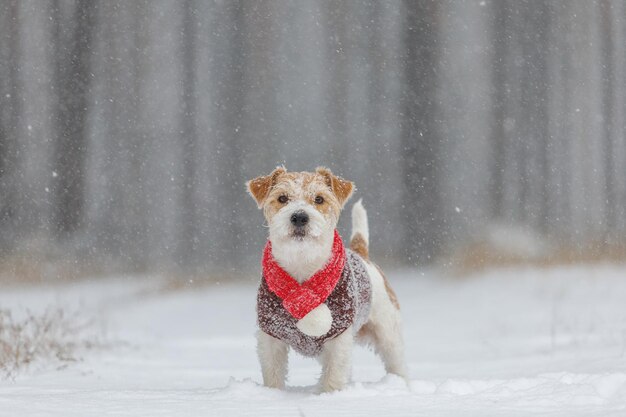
<point>283,199</point>
<point>319,199</point>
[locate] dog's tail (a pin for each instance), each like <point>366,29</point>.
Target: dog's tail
<point>359,241</point>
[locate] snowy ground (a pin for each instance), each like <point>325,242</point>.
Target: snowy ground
<point>506,343</point>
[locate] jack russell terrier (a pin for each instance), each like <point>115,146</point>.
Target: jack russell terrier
<point>316,296</point>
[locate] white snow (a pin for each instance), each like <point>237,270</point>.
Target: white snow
<point>513,342</point>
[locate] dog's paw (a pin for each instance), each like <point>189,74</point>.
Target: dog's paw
<point>317,322</point>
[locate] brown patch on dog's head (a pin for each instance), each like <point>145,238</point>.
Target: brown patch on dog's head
<point>319,190</point>
<point>259,187</point>
<point>311,188</point>
<point>341,188</point>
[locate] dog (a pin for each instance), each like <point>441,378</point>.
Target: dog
<point>316,296</point>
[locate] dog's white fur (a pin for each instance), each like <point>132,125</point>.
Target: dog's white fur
<point>301,259</point>
<point>359,221</point>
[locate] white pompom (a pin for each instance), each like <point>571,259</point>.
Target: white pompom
<point>317,322</point>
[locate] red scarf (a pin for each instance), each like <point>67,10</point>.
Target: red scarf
<point>300,299</point>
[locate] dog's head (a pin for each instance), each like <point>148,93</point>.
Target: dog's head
<point>300,206</point>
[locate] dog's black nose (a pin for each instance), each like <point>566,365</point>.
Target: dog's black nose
<point>299,218</point>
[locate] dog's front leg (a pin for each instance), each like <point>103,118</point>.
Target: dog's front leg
<point>273,355</point>
<point>336,361</point>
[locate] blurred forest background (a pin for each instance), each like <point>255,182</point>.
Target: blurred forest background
<point>492,129</point>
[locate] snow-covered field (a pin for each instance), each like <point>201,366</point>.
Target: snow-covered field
<point>505,343</point>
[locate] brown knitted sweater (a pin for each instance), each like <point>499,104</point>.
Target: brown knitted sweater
<point>349,304</point>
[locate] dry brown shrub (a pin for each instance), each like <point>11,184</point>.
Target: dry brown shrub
<point>32,268</point>
<point>49,336</point>
<point>480,255</point>
<point>184,281</point>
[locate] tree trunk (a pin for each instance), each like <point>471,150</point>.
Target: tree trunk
<point>420,140</point>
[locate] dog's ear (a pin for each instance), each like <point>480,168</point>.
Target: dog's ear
<point>342,188</point>
<point>260,187</point>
